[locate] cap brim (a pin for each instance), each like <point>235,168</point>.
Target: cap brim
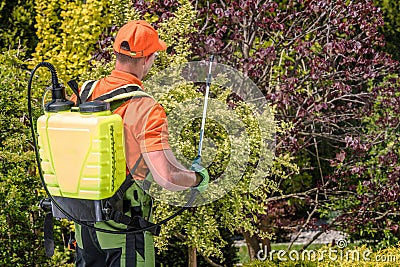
<point>162,45</point>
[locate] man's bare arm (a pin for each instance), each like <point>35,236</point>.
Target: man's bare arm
<point>168,172</point>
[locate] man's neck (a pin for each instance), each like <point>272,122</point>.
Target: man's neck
<point>137,72</point>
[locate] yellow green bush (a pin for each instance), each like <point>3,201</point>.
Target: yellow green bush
<point>68,32</point>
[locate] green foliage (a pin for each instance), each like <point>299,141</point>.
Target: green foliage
<point>122,11</point>
<point>68,32</point>
<point>48,28</point>
<point>17,161</point>
<point>17,19</point>
<point>21,219</point>
<point>174,32</point>
<point>391,27</point>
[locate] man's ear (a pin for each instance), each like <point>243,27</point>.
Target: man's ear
<point>146,59</point>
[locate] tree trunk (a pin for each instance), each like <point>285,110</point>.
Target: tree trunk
<point>266,242</point>
<point>253,245</point>
<point>266,246</point>
<point>192,257</point>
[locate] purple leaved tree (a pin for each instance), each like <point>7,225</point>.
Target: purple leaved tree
<point>316,62</point>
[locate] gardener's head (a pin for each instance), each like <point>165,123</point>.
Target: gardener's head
<point>136,45</point>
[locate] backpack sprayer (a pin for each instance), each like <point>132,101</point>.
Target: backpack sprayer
<point>81,161</point>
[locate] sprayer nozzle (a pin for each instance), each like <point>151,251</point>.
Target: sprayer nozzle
<point>59,101</point>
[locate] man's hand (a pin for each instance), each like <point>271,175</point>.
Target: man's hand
<point>203,173</point>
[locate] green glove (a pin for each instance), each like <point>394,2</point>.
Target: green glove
<point>205,178</point>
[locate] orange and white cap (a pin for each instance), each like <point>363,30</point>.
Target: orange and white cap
<point>141,37</point>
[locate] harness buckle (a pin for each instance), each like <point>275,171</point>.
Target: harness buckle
<point>107,211</point>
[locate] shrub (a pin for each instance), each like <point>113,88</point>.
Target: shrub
<point>68,32</point>
<point>17,20</point>
<point>21,220</point>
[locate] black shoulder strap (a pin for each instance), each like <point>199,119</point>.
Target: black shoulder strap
<point>121,92</point>
<point>86,90</point>
<point>115,97</point>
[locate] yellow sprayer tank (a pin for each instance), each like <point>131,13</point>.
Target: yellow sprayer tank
<point>82,152</point>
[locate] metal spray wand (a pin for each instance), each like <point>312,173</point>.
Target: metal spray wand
<point>203,121</point>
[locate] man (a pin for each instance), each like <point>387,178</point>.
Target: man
<point>147,149</point>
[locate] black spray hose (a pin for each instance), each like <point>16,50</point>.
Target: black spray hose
<point>54,79</point>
